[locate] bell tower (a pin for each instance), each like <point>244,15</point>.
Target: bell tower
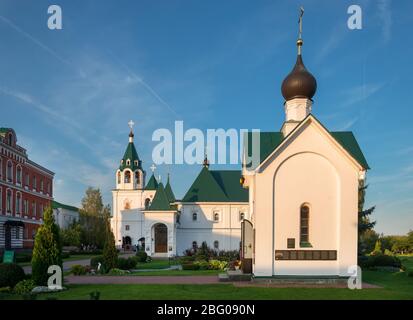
<point>130,175</point>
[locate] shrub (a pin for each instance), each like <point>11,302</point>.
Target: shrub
<point>10,274</point>
<point>94,262</point>
<point>65,255</point>
<point>203,264</point>
<point>186,259</point>
<point>410,273</point>
<point>228,255</point>
<point>117,272</point>
<point>381,260</point>
<point>47,248</point>
<point>24,286</point>
<point>110,254</point>
<point>126,264</point>
<point>190,266</point>
<point>141,256</point>
<point>217,265</point>
<point>78,270</point>
<point>5,290</point>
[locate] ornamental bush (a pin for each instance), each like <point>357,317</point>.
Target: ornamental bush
<point>10,274</point>
<point>126,263</point>
<point>190,266</point>
<point>110,254</point>
<point>78,270</point>
<point>24,286</point>
<point>47,249</point>
<point>203,264</point>
<point>217,265</point>
<point>142,256</point>
<point>94,262</point>
<point>381,260</point>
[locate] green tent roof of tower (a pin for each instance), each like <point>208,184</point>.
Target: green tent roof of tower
<point>217,186</point>
<point>152,183</point>
<point>132,156</point>
<point>169,192</point>
<point>160,201</point>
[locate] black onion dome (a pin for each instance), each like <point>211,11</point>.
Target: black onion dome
<point>300,83</point>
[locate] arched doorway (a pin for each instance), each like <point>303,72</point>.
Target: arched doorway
<point>161,238</point>
<point>127,243</point>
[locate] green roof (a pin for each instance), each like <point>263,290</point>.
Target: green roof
<point>160,202</point>
<point>217,186</point>
<point>132,156</point>
<point>152,183</point>
<point>269,141</point>
<point>169,192</point>
<point>58,205</point>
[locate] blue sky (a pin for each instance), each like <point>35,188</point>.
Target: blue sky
<point>213,64</point>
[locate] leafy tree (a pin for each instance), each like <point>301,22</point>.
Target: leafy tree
<point>71,235</point>
<point>92,217</point>
<point>47,249</point>
<point>110,254</point>
<point>364,223</point>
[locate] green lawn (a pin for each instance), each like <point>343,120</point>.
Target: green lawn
<point>394,286</point>
<point>157,264</point>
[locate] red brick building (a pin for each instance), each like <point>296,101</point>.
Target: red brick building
<point>26,189</point>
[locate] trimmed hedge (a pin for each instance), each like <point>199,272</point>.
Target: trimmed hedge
<point>380,260</point>
<point>10,274</point>
<point>78,270</point>
<point>126,264</point>
<point>94,262</point>
<point>190,266</point>
<point>24,286</point>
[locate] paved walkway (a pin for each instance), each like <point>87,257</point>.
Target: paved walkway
<point>142,280</point>
<point>67,265</point>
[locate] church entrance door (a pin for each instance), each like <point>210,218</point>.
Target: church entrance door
<point>247,246</point>
<point>161,238</point>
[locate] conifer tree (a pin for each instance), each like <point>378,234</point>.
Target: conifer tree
<point>110,254</point>
<point>47,249</point>
<point>364,223</point>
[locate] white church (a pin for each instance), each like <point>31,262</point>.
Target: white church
<point>294,213</point>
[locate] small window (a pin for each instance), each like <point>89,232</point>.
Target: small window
<point>128,162</point>
<point>194,216</point>
<point>290,243</point>
<point>17,233</point>
<point>8,201</point>
<point>119,179</point>
<point>194,245</point>
<point>10,139</point>
<point>127,227</point>
<point>147,203</point>
<point>137,177</point>
<point>19,175</point>
<point>9,171</point>
<point>41,185</point>
<point>216,216</point>
<point>241,216</point>
<point>216,244</point>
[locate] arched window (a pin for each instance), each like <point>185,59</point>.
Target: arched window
<point>304,223</point>
<point>194,216</point>
<point>119,178</point>
<point>194,245</point>
<point>216,216</point>
<point>127,176</point>
<point>19,174</point>
<point>8,200</point>
<point>147,203</point>
<point>18,202</point>
<point>10,139</point>
<point>128,162</point>
<point>137,177</point>
<point>9,171</point>
<point>216,244</point>
<point>241,216</point>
